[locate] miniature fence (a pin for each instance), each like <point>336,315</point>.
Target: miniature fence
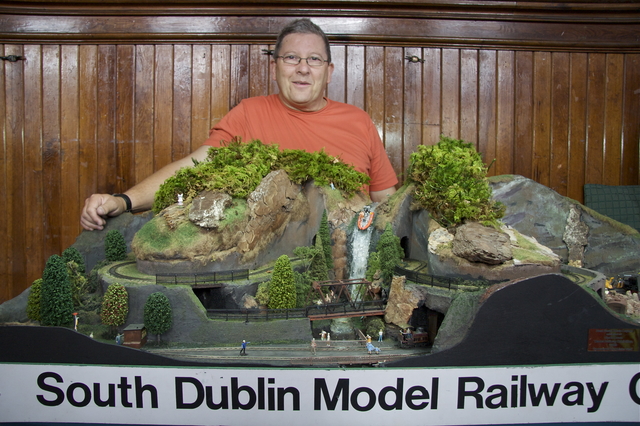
<point>328,310</point>
<point>432,280</point>
<point>210,279</point>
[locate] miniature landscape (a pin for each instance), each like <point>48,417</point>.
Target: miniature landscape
<point>301,254</point>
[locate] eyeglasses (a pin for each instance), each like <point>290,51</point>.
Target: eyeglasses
<point>312,61</point>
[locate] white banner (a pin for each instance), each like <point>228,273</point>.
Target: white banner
<point>372,396</point>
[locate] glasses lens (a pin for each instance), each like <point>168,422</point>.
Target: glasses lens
<point>315,61</point>
<point>291,59</point>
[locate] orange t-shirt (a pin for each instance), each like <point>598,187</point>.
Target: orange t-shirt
<point>343,130</point>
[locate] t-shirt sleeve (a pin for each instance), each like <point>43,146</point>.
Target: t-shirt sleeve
<point>382,174</point>
<point>232,125</point>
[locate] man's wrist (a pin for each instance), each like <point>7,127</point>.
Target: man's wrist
<point>127,202</point>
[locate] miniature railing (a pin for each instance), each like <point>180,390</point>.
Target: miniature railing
<point>209,279</point>
<point>329,310</point>
<point>434,280</point>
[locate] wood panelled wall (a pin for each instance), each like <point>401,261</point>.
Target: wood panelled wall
<point>85,117</point>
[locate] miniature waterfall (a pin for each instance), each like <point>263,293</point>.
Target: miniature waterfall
<point>360,240</point>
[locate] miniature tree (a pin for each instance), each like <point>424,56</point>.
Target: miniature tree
<point>282,291</point>
<point>390,253</point>
<point>115,306</point>
<point>115,247</point>
<point>158,316</point>
<point>325,236</point>
<point>318,270</point>
<point>56,303</point>
<point>33,302</point>
<point>72,254</point>
<point>78,283</point>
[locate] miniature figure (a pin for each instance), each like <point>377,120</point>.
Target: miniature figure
<point>328,339</point>
<point>180,199</point>
<point>370,348</point>
<point>380,335</point>
<point>313,345</point>
<point>243,349</point>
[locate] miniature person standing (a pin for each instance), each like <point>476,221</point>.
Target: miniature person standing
<point>243,348</point>
<point>380,335</point>
<point>323,335</point>
<point>313,345</point>
<point>328,339</point>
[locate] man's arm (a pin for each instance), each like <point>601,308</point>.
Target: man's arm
<point>379,196</point>
<point>99,206</point>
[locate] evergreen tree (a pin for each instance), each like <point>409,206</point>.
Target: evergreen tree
<point>390,253</point>
<point>158,316</point>
<point>325,236</point>
<point>72,254</point>
<point>282,291</point>
<point>56,303</point>
<point>115,306</point>
<point>33,302</point>
<point>115,247</point>
<point>318,270</point>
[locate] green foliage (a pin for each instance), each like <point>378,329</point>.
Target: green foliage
<point>318,270</point>
<point>158,316</point>
<point>373,265</point>
<point>282,291</point>
<point>71,254</point>
<point>302,283</point>
<point>78,281</point>
<point>115,247</point>
<point>33,302</point>
<point>262,295</point>
<point>56,304</point>
<point>325,236</point>
<point>390,253</point>
<point>374,325</point>
<point>238,168</point>
<point>451,183</point>
<point>115,305</point>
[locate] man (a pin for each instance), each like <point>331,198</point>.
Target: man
<point>298,117</point>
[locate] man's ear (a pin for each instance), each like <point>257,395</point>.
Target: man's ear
<point>272,70</point>
<point>329,72</point>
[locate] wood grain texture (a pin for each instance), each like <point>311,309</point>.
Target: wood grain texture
<point>102,106</point>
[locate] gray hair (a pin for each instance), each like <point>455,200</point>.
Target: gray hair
<point>302,26</point>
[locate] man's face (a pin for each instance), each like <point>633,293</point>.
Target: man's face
<point>301,86</point>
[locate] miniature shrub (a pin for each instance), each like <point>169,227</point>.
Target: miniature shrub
<point>72,254</point>
<point>158,316</point>
<point>302,284</point>
<point>318,270</point>
<point>390,253</point>
<point>33,302</point>
<point>238,168</point>
<point>115,247</point>
<point>451,183</point>
<point>262,295</point>
<point>325,236</point>
<point>373,265</point>
<point>115,306</point>
<point>78,281</point>
<point>374,325</point>
<point>282,291</point>
<point>56,303</point>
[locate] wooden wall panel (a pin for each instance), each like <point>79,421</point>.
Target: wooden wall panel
<point>88,118</point>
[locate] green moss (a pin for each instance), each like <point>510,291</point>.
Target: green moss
<point>156,236</point>
<point>451,183</point>
<point>238,168</point>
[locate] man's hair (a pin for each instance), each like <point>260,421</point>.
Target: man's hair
<point>302,26</point>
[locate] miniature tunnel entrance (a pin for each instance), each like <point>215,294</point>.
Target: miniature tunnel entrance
<point>211,298</point>
<point>426,320</point>
<point>404,243</point>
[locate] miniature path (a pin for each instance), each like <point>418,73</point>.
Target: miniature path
<point>339,353</point>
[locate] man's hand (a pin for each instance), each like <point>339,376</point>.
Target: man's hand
<point>99,206</point>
